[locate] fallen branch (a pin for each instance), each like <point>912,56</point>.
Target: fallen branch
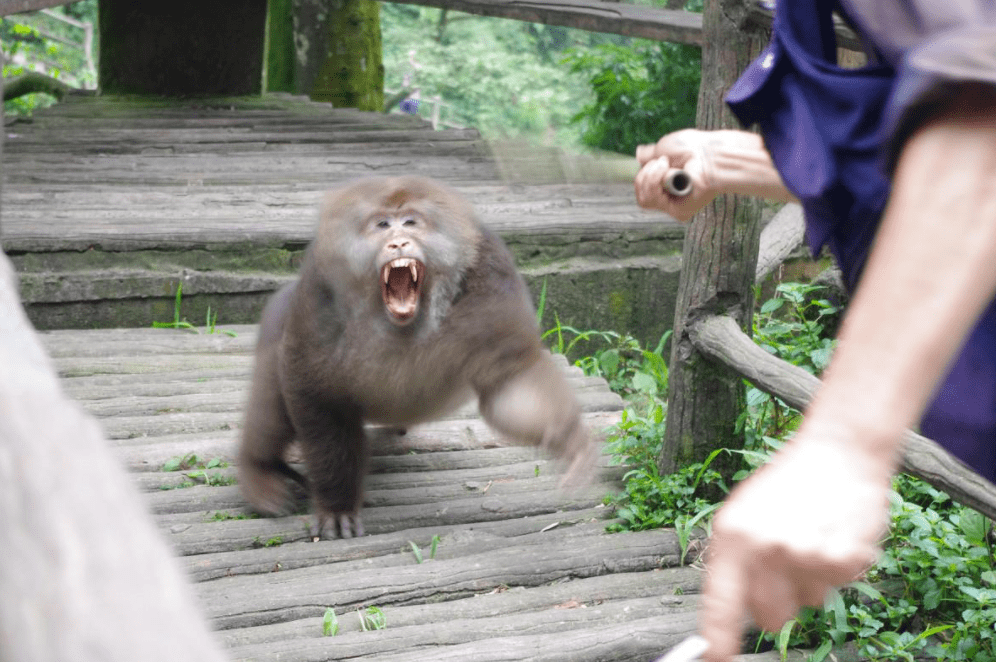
<point>32,81</point>
<point>720,339</point>
<point>779,239</point>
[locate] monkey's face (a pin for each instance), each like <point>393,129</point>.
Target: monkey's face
<point>399,244</point>
<point>401,261</point>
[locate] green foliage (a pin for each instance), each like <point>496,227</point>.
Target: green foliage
<point>330,623</point>
<point>649,500</point>
<point>933,592</point>
<point>372,618</point>
<point>38,42</point>
<point>225,516</point>
<point>417,551</point>
<point>641,93</point>
<point>199,470</point>
<point>500,76</point>
<point>191,461</point>
<point>792,325</point>
<point>630,370</point>
<point>275,541</point>
<point>210,322</point>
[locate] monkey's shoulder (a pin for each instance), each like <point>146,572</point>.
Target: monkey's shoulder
<point>493,274</point>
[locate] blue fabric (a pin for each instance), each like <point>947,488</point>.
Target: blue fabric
<point>821,124</point>
<point>827,131</point>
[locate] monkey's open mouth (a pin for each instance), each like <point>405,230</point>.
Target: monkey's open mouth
<point>401,284</point>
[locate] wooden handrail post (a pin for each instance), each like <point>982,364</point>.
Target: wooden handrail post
<point>721,340</point>
<point>718,263</point>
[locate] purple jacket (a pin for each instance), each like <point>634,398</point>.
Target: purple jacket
<point>834,132</point>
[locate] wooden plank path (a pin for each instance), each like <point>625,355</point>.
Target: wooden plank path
<point>523,569</point>
<point>122,174</point>
<point>98,191</point>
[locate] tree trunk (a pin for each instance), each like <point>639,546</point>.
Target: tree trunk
<point>352,74</point>
<point>281,64</point>
<point>327,49</point>
<point>718,264</point>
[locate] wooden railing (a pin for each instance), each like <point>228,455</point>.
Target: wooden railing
<point>38,67</point>
<point>720,339</point>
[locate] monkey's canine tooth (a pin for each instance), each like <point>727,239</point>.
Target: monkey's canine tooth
<point>411,265</point>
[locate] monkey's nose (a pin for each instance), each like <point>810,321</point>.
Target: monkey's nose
<point>398,245</point>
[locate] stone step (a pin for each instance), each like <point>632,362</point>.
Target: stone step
<point>110,205</point>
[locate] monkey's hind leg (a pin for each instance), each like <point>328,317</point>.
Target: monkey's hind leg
<point>335,455</point>
<point>266,433</point>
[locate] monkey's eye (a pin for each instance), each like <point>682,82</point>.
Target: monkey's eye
<point>383,223</point>
<point>409,221</point>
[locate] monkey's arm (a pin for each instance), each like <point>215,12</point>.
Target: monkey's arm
<point>537,406</point>
<point>522,393</point>
<point>326,421</point>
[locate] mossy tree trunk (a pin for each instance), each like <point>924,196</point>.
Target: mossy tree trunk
<point>281,70</point>
<point>327,49</point>
<point>718,262</point>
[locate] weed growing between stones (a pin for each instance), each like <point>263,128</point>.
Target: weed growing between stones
<point>210,323</point>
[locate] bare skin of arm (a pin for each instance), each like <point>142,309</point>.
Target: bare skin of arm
<point>931,273</point>
<point>717,162</point>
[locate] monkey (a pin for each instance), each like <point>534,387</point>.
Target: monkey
<point>405,308</point>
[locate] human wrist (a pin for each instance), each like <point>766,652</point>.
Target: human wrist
<point>860,434</point>
<point>740,163</point>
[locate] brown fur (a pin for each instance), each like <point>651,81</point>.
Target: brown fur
<point>331,358</point>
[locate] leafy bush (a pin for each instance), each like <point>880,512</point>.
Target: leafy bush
<point>641,93</point>
<point>500,76</point>
<point>933,591</point>
<point>633,372</point>
<point>792,325</point>
<point>649,500</point>
<point>37,41</point>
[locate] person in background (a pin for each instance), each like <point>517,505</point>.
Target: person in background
<point>895,167</point>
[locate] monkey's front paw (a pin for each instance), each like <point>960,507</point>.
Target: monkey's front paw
<point>266,489</point>
<point>339,525</point>
<point>581,466</point>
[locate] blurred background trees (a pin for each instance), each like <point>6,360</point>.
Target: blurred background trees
<point>509,79</point>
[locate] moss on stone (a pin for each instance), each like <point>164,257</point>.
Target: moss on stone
<point>279,261</point>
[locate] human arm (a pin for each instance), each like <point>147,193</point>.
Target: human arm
<point>811,519</point>
<point>723,161</point>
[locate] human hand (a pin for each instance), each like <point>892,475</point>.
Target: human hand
<point>808,521</point>
<point>686,150</point>
<point>722,161</point>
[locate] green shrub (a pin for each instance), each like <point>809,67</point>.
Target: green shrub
<point>641,93</point>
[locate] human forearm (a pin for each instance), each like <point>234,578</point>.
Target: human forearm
<point>740,163</point>
<point>718,162</point>
<point>932,271</point>
<point>810,519</point>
